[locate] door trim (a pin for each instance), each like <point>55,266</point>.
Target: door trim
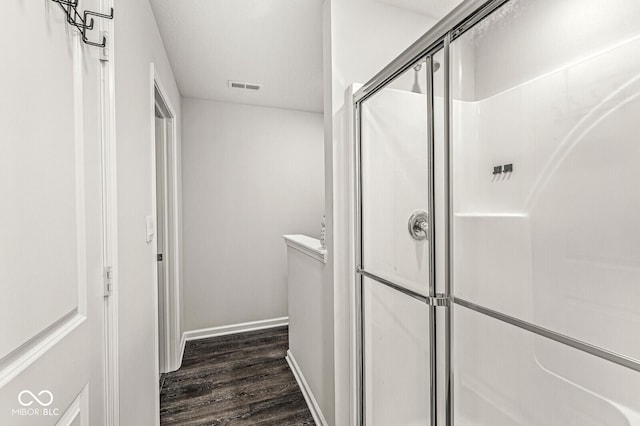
<point>172,253</point>
<point>110,225</point>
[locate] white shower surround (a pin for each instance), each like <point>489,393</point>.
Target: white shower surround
<point>554,243</point>
<point>549,244</point>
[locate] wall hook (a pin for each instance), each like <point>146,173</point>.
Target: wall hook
<point>99,15</point>
<point>84,22</point>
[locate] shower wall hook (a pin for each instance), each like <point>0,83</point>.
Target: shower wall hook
<point>84,22</point>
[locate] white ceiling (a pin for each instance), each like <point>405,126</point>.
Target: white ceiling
<point>275,43</point>
<point>435,8</point>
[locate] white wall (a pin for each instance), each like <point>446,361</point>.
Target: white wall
<point>137,45</point>
<point>251,174</point>
<point>360,38</point>
<point>309,338</point>
<point>360,28</point>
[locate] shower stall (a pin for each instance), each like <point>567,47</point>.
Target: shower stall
<point>498,220</point>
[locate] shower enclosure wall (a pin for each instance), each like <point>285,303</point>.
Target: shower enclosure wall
<point>498,241</point>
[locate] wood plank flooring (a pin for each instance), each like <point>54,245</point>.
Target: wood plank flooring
<point>240,379</point>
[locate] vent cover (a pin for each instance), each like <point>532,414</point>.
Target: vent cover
<point>241,85</point>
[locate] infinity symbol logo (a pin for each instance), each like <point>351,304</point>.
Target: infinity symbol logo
<point>44,403</point>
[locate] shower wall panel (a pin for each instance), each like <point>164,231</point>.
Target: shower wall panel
<point>546,241</point>
<point>554,241</point>
<point>507,376</point>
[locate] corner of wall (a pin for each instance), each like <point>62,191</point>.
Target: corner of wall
<point>137,44</point>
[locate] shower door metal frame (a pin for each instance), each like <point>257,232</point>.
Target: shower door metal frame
<point>437,38</point>
<point>433,299</point>
<point>462,18</point>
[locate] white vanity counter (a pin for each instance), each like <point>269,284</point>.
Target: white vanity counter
<point>307,245</point>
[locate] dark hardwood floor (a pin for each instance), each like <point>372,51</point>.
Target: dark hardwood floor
<point>240,379</point>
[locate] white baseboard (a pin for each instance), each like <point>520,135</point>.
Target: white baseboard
<point>205,333</point>
<point>316,412</point>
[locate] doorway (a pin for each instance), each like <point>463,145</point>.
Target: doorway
<point>166,231</point>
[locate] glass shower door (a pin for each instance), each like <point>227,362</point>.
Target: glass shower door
<point>504,189</point>
<point>396,257</point>
<point>546,260</point>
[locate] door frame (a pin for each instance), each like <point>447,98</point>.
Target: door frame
<point>110,223</point>
<point>172,336</point>
<point>161,134</point>
<point>434,299</point>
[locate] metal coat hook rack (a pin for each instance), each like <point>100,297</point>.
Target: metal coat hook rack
<point>83,22</point>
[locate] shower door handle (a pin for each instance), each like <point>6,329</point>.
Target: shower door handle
<point>419,225</point>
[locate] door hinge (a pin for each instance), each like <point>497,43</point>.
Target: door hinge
<point>108,281</point>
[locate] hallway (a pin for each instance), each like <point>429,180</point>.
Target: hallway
<point>320,212</point>
<point>238,379</point>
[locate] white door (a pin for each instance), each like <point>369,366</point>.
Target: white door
<point>51,235</point>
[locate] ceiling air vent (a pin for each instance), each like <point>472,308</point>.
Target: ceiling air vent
<point>246,86</point>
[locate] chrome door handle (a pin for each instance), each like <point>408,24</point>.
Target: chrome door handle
<point>419,225</point>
